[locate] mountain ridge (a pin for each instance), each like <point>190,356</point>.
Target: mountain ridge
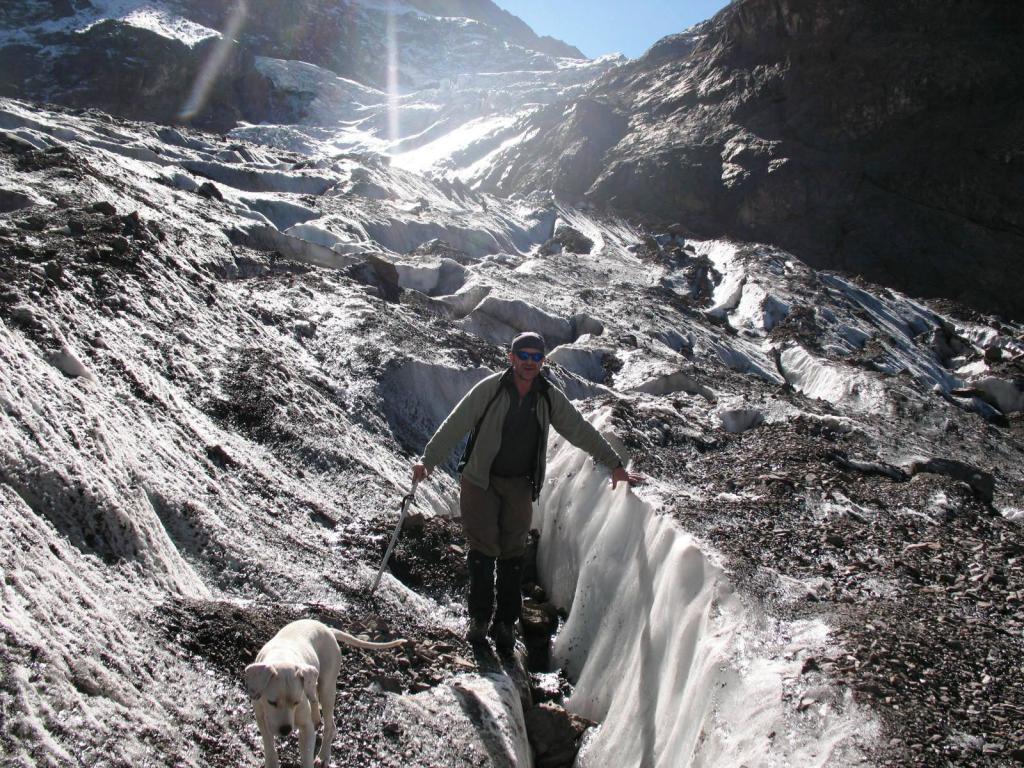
<point>848,135</point>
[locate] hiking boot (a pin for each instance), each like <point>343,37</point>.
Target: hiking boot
<point>509,589</point>
<point>480,600</point>
<point>504,637</point>
<point>477,632</point>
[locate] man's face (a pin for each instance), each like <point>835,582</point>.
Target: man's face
<point>528,369</point>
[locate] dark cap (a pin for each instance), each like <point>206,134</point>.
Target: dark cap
<point>529,340</point>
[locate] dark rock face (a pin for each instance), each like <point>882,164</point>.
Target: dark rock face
<point>140,75</point>
<point>511,26</point>
<point>319,32</point>
<point>878,138</point>
<point>566,153</point>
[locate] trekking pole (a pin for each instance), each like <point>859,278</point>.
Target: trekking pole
<point>403,510</point>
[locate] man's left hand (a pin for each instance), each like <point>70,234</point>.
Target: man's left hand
<point>620,475</point>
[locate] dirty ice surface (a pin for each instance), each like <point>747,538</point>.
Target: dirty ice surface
<point>220,355</point>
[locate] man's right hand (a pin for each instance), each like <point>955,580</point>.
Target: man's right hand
<point>419,472</point>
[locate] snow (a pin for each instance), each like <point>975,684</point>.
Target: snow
<point>662,654</point>
<point>156,17</point>
<point>433,154</point>
<point>112,505</point>
<point>500,319</point>
<point>582,359</point>
<point>481,714</point>
<point>825,381</point>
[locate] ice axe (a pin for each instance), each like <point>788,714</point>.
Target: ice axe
<point>403,510</point>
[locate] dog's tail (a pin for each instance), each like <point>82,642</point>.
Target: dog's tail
<point>355,642</point>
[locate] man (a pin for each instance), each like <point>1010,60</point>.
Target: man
<point>508,415</point>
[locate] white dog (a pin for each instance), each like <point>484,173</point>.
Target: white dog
<point>292,685</point>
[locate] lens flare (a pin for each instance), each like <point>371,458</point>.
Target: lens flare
<point>214,64</point>
<point>392,43</point>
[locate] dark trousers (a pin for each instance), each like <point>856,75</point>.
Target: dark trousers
<point>496,522</point>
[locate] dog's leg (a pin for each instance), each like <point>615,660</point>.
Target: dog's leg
<point>307,744</point>
<point>314,711</point>
<point>269,750</point>
<point>327,690</point>
<point>307,733</point>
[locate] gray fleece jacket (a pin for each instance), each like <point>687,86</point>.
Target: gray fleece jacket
<point>487,404</point>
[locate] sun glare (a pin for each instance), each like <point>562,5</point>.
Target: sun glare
<point>215,63</point>
<point>392,43</point>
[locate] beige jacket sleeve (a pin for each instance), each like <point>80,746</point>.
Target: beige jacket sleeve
<point>571,425</point>
<point>460,422</point>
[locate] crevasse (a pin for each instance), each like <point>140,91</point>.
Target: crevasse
<point>675,667</point>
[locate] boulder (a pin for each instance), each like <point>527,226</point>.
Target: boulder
<point>552,734</point>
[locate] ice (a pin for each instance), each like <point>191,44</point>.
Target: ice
<point>182,181</point>
<point>674,668</point>
<point>284,214</point>
<point>419,395</point>
<point>1007,395</point>
<point>31,138</point>
<point>740,419</point>
<point>69,363</point>
<point>110,510</point>
<point>827,381</point>
<point>500,319</point>
<point>333,99</point>
<point>481,713</point>
<point>317,235</point>
<point>1016,514</point>
<point>444,278</point>
<point>267,238</point>
<point>466,299</point>
<point>404,235</point>
<point>677,381</point>
<point>582,359</point>
<point>128,481</point>
<point>259,180</point>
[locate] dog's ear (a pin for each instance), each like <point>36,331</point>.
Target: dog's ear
<point>257,677</point>
<point>308,675</point>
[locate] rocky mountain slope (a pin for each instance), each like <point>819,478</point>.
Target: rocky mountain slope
<point>219,360</point>
<point>881,139</point>
<point>199,61</point>
<point>221,352</point>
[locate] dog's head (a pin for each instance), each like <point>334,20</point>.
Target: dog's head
<point>281,688</point>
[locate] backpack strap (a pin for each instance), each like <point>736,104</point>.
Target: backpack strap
<point>476,430</point>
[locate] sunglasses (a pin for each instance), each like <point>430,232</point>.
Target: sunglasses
<point>535,356</point>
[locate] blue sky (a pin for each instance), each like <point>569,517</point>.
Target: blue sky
<point>606,26</point>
